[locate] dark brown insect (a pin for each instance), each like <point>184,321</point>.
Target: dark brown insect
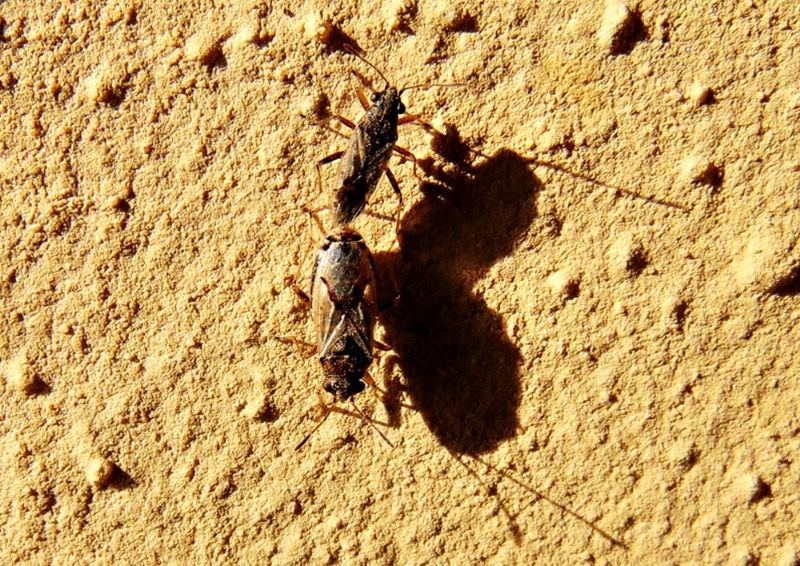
<point>370,146</point>
<point>344,310</point>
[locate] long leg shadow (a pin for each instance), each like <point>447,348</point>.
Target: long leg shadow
<point>460,367</point>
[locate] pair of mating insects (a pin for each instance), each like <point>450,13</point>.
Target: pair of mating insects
<point>344,298</point>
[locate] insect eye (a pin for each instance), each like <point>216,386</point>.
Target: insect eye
<point>401,108</point>
<point>375,97</point>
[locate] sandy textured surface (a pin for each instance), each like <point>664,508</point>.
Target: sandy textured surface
<point>595,350</point>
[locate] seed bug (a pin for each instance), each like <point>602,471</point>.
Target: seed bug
<point>344,309</point>
<point>370,146</point>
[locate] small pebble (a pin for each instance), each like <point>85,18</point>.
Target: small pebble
<point>752,488</point>
<point>246,34</point>
<point>673,312</point>
<point>770,262</point>
<point>203,47</point>
<point>316,105</point>
<point>20,375</point>
<point>99,471</point>
<point>627,256</point>
<point>107,83</point>
<point>618,27</point>
<point>259,408</point>
<point>696,169</point>
<point>789,557</point>
<point>684,455</point>
<point>294,507</point>
<point>317,28</point>
<point>455,19</point>
<point>397,14</point>
<point>662,27</point>
<point>7,79</point>
<point>564,284</point>
<point>700,94</point>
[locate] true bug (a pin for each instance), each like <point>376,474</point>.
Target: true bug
<point>370,146</point>
<point>344,309</point>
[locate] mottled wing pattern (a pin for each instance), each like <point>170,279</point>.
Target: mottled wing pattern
<point>344,299</point>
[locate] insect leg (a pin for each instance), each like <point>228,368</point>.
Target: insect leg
<point>395,186</point>
<point>370,423</point>
<point>324,161</point>
<point>315,429</point>
<point>315,217</point>
<point>336,117</point>
<point>379,393</point>
<point>302,294</point>
<point>363,100</point>
<point>342,120</point>
<point>408,156</point>
<point>365,103</point>
<point>363,80</point>
<point>412,119</point>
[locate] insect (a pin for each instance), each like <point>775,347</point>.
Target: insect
<point>370,147</point>
<point>344,309</point>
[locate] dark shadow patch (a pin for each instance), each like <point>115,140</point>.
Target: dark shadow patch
<point>116,97</point>
<point>761,490</point>
<point>121,480</point>
<point>336,39</point>
<point>463,23</point>
<point>39,387</point>
<point>216,60</point>
<point>637,261</point>
<point>632,33</point>
<point>405,28</point>
<point>789,285</point>
<point>122,205</point>
<point>132,17</point>
<point>460,367</point>
<point>713,176</point>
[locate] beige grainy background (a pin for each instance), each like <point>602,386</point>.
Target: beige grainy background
<point>578,374</point>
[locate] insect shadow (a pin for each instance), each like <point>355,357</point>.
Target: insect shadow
<point>461,369</point>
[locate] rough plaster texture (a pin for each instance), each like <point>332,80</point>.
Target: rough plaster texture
<point>594,353</point>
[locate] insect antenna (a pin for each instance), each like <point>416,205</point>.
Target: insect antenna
<point>620,190</point>
<point>370,423</point>
<point>350,49</point>
<point>431,85</point>
<point>540,495</point>
<point>503,507</point>
<point>315,429</point>
<point>315,217</point>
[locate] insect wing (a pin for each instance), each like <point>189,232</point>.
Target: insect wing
<point>344,295</point>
